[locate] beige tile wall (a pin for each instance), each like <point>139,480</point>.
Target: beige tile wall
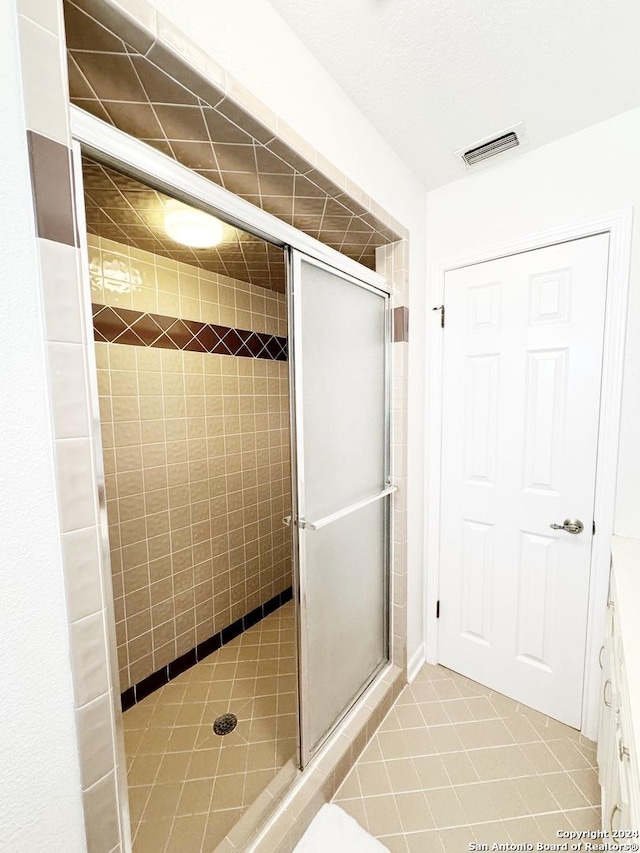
<point>132,278</point>
<point>196,454</point>
<point>393,263</point>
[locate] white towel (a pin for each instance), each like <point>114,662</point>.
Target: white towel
<point>332,829</point>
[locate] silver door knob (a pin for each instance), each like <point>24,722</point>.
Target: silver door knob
<point>571,525</point>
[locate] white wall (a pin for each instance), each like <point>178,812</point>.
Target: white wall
<point>41,805</point>
<point>253,43</point>
<point>579,177</point>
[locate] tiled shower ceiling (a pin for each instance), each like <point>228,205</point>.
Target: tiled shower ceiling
<point>214,136</point>
<point>123,209</point>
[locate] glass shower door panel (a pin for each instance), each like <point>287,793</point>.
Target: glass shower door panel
<point>343,363</point>
<point>345,619</point>
<point>340,352</point>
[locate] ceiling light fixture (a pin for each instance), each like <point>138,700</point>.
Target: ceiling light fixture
<point>192,227</point>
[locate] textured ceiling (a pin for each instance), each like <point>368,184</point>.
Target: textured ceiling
<point>436,75</point>
<point>214,137</point>
<point>123,209</point>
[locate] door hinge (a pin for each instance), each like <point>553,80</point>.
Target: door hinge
<point>593,529</point>
<point>438,609</point>
<point>440,308</point>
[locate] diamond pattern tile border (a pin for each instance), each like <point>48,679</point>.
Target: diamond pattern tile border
<point>123,326</point>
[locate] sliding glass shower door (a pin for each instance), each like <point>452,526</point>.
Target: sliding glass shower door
<point>340,335</point>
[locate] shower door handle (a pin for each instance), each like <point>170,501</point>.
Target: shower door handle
<point>341,513</point>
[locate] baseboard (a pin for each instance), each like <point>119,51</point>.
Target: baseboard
<point>415,663</point>
<point>165,674</point>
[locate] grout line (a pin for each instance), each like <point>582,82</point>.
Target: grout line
<point>504,820</point>
<point>459,785</point>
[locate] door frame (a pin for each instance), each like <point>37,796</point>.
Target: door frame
<point>618,226</point>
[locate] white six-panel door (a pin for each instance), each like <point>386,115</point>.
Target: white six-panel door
<point>522,367</point>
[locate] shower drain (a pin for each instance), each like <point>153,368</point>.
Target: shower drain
<point>225,723</point>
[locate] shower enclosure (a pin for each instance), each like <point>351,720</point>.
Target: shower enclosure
<point>339,381</point>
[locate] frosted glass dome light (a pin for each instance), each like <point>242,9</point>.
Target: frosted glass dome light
<point>192,227</point>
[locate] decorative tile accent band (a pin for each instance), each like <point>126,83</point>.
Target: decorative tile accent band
<point>136,328</point>
<point>166,673</point>
<point>401,324</point>
<point>51,184</point>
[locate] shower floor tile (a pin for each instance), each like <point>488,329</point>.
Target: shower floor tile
<point>454,764</point>
<point>188,785</point>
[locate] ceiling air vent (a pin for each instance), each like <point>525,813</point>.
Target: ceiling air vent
<point>491,148</point>
<point>484,149</point>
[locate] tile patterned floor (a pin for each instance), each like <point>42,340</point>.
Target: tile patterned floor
<point>455,764</point>
<point>452,764</point>
<point>187,785</point>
